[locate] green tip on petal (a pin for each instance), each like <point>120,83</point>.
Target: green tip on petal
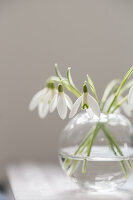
<point>85,89</point>
<point>85,106</point>
<point>60,88</point>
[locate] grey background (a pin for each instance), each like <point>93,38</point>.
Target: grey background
<point>91,36</point>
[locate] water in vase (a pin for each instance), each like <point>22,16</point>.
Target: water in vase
<point>104,171</point>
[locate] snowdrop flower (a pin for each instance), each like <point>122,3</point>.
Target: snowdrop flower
<point>43,99</point>
<point>130,96</point>
<point>127,109</point>
<point>107,104</point>
<point>61,101</point>
<point>88,103</point>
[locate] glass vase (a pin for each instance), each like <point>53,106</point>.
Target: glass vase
<point>97,153</point>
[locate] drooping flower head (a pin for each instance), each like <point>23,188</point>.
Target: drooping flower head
<point>61,101</point>
<point>49,98</point>
<point>88,103</point>
<point>43,98</point>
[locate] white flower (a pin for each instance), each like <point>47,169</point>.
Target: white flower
<point>88,103</point>
<point>130,96</point>
<point>43,99</point>
<point>61,101</point>
<point>108,102</point>
<point>127,109</point>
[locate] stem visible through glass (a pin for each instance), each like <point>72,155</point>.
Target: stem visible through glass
<point>87,144</point>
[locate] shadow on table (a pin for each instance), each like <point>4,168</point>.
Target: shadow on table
<point>82,194</point>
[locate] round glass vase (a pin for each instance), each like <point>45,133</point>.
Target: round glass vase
<point>97,153</point>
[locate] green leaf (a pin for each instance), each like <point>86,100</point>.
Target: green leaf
<point>120,87</point>
<point>54,78</point>
<point>90,82</point>
<point>122,101</point>
<point>66,83</point>
<point>124,81</point>
<point>111,86</point>
<point>71,84</point>
<point>113,143</point>
<point>92,87</point>
<point>70,77</point>
<point>57,79</point>
<point>84,166</point>
<point>126,87</point>
<point>58,72</point>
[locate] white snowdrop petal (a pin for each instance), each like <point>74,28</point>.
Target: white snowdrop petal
<point>68,101</point>
<point>61,106</point>
<point>118,110</point>
<point>43,110</point>
<point>127,109</point>
<point>75,106</point>
<point>36,98</point>
<point>108,102</point>
<point>53,92</point>
<point>90,112</point>
<point>130,96</point>
<point>56,91</point>
<point>46,98</point>
<point>53,103</point>
<point>94,105</point>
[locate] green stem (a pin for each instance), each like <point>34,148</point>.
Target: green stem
<point>70,81</point>
<point>130,164</point>
<point>119,89</point>
<point>112,147</point>
<point>112,139</point>
<point>92,87</point>
<point>111,86</point>
<point>93,137</point>
<point>67,162</point>
<point>120,103</point>
<point>90,146</point>
<point>66,83</point>
<point>88,142</point>
<point>73,167</point>
<point>71,170</point>
<point>84,166</point>
<point>124,168</point>
<point>126,87</point>
<point>82,145</point>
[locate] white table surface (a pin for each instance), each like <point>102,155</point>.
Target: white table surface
<point>48,182</point>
